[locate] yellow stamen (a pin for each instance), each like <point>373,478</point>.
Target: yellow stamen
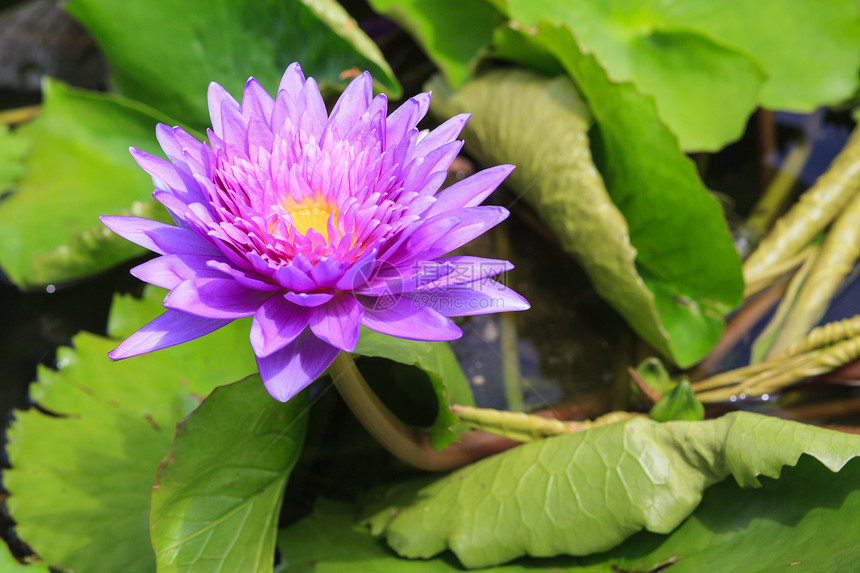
<point>312,213</point>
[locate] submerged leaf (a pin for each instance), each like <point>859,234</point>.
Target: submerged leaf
<point>80,482</point>
<point>78,167</point>
<point>179,46</point>
<point>602,484</point>
<point>672,291</point>
<point>218,494</point>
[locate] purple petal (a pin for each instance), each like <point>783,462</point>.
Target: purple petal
<point>163,173</point>
<point>276,324</point>
<point>286,372</point>
<point>215,298</point>
<point>292,278</point>
<point>338,322</point>
<point>450,271</point>
<point>423,238</point>
<point>234,125</point>
<point>256,101</point>
<point>406,117</point>
<point>480,297</point>
<point>350,106</point>
<point>137,230</point>
<point>244,278</point>
<point>309,298</point>
<point>474,221</point>
<point>314,116</point>
<point>182,241</point>
<point>292,81</point>
<point>443,134</point>
<point>169,329</point>
<point>358,274</point>
<point>217,97</point>
<point>168,271</point>
<point>327,272</point>
<point>404,318</point>
<point>471,191</point>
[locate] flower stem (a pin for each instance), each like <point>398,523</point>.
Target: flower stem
<point>404,443</point>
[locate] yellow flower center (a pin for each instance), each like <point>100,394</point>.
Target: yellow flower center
<point>312,213</point>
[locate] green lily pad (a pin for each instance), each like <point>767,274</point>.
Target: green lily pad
<point>709,67</point>
<point>218,494</point>
<point>77,168</point>
<point>587,492</point>
<point>178,46</point>
<point>80,482</point>
<point>437,360</point>
<point>800,518</point>
<point>626,234</point>
<point>704,90</point>
<point>454,35</point>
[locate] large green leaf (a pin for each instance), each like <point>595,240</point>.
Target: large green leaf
<point>703,90</point>
<point>801,519</point>
<point>12,153</point>
<point>216,501</point>
<point>671,291</point>
<point>178,46</point>
<point>454,34</point>
<point>704,62</point>
<point>8,564</point>
<point>437,360</point>
<point>77,168</point>
<point>329,541</point>
<point>80,482</point>
<point>808,48</point>
<point>586,492</point>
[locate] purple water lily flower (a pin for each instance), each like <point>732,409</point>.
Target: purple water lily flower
<point>313,224</point>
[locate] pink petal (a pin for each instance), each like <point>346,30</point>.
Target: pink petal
<point>286,372</point>
<point>169,329</point>
<point>276,324</point>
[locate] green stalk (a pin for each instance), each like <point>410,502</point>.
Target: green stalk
<point>839,252</point>
<point>404,443</point>
<point>816,208</point>
<point>524,427</point>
